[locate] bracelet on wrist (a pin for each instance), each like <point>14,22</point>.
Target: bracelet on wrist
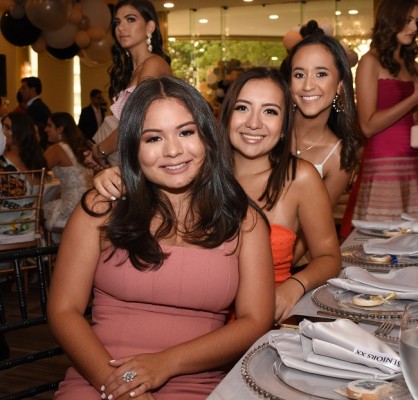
<point>301,284</point>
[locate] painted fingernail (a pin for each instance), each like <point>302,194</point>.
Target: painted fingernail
<point>132,394</point>
<point>103,396</point>
<point>110,397</point>
<point>102,388</point>
<point>113,198</point>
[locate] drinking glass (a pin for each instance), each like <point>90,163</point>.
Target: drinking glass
<point>409,347</point>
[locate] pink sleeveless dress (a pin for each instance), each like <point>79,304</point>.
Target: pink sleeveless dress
<point>145,312</point>
<point>389,176</point>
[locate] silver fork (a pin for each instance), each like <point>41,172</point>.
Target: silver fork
<point>384,329</point>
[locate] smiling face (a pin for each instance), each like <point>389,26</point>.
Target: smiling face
<point>256,122</point>
<point>408,33</point>
<point>131,28</point>
<point>315,79</point>
<point>171,151</point>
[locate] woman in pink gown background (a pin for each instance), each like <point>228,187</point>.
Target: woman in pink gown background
<point>387,96</point>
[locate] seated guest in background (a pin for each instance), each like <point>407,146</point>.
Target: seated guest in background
<point>165,263</point>
<point>92,116</point>
<point>64,158</point>
<point>22,151</point>
<point>31,90</point>
<point>255,118</point>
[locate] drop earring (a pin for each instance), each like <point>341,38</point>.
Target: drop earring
<point>127,54</point>
<point>149,37</point>
<point>294,107</point>
<point>282,136</point>
<point>338,103</point>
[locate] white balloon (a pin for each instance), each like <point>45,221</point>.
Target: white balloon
<point>98,13</point>
<point>61,38</point>
<point>48,15</point>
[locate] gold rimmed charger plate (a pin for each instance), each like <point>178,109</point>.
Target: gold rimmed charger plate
<point>334,299</point>
<point>264,374</point>
<point>356,255</point>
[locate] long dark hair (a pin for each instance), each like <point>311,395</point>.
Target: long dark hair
<point>390,20</point>
<point>343,124</point>
<point>24,137</point>
<point>281,159</point>
<point>217,205</point>
<point>122,68</point>
<point>71,134</point>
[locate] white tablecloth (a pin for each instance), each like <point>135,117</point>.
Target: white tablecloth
<point>233,386</point>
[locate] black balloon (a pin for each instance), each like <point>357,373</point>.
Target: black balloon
<point>19,32</point>
<point>64,54</point>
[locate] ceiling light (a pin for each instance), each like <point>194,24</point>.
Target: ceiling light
<point>353,12</point>
<point>338,12</point>
<point>203,20</point>
<point>248,1</point>
<point>274,58</point>
<point>168,5</point>
<point>171,39</point>
<point>273,16</point>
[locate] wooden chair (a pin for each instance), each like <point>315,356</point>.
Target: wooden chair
<point>21,194</point>
<point>18,315</point>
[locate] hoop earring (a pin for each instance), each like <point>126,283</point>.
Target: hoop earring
<point>149,37</point>
<point>338,103</point>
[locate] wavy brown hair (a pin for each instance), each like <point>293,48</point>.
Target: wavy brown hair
<point>391,19</point>
<point>217,203</point>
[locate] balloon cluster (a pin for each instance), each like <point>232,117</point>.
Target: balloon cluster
<point>296,34</point>
<point>63,28</point>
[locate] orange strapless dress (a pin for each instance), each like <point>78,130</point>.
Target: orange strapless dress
<point>282,240</point>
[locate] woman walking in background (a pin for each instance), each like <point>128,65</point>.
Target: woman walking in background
<point>387,96</point>
<point>64,158</point>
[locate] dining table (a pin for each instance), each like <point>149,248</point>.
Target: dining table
<point>253,376</point>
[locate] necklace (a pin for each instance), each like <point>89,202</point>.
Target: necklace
<point>312,145</point>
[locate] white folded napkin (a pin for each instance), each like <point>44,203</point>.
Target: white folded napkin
<point>339,349</point>
<point>403,282</point>
<point>406,245</point>
<point>405,223</point>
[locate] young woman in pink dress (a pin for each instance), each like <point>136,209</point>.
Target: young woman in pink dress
<point>387,96</point>
<point>165,262</point>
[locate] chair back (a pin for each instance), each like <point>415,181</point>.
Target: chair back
<point>21,194</point>
<point>23,329</point>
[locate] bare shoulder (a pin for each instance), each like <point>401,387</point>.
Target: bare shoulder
<point>305,172</point>
<point>157,62</point>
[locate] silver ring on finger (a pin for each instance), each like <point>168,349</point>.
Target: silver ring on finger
<point>129,376</point>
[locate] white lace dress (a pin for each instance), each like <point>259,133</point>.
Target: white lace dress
<point>75,180</point>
